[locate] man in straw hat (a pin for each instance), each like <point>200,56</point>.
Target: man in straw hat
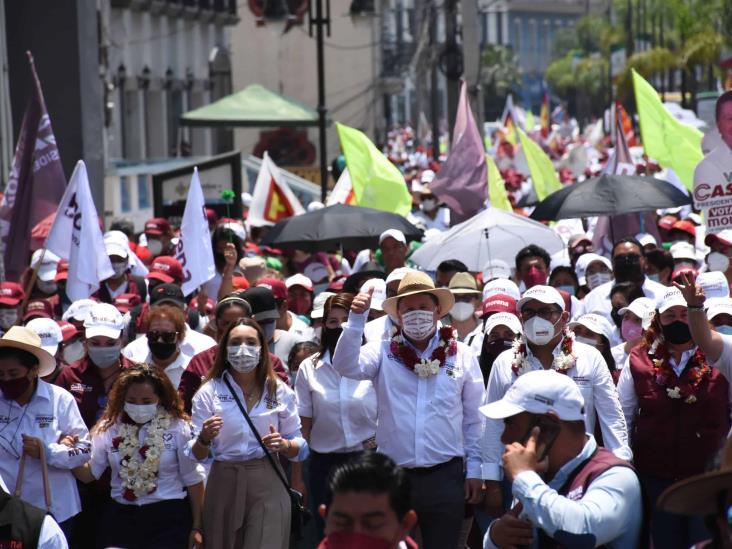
<point>33,417</point>
<point>576,493</point>
<point>429,388</point>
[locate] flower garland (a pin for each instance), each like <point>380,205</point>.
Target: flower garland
<point>139,465</point>
<point>562,363</point>
<point>424,367</point>
<point>664,374</point>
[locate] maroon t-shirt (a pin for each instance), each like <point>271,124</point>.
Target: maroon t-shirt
<point>82,380</point>
<point>198,368</point>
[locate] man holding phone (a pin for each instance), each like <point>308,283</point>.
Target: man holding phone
<point>568,491</point>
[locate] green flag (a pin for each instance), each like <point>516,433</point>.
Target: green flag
<point>497,187</point>
<point>529,124</point>
<point>542,170</point>
<point>670,142</point>
<point>377,183</point>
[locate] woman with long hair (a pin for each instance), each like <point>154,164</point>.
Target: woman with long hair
<point>246,504</point>
<point>676,406</point>
<point>338,414</point>
<point>143,437</point>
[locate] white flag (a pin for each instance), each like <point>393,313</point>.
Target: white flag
<point>342,193</point>
<point>272,198</point>
<point>194,247</point>
<point>76,236</point>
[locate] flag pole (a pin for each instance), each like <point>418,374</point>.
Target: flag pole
<point>29,286</point>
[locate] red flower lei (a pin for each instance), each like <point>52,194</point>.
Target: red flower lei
<point>666,377</point>
<point>566,362</point>
<point>405,354</point>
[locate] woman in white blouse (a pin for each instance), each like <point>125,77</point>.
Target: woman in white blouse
<point>143,437</point>
<point>246,505</point>
<point>338,414</point>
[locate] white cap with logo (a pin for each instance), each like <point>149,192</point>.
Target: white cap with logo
<point>397,274</point>
<point>545,294</point>
<point>496,268</point>
<point>642,307</point>
<point>595,323</point>
<point>78,310</point>
<point>540,392</point>
<point>501,286</point>
<point>396,234</point>
<point>103,319</point>
<point>714,284</point>
<point>46,263</point>
<point>319,304</point>
<point>508,320</point>
<point>48,331</point>
<point>720,306</point>
<point>671,298</point>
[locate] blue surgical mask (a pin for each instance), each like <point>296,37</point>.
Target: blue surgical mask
<point>567,288</point>
<point>655,277</point>
<point>724,329</point>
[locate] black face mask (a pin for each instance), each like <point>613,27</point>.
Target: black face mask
<point>160,350</point>
<point>330,337</point>
<point>489,353</point>
<point>627,268</point>
<point>617,319</point>
<point>677,332</point>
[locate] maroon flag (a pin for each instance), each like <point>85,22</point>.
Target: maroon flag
<point>35,185</point>
<point>462,182</point>
<point>610,229</point>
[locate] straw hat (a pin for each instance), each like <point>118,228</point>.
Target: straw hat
<point>20,337</point>
<point>697,495</point>
<point>416,282</point>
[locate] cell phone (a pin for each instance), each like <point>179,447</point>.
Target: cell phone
<point>548,432</point>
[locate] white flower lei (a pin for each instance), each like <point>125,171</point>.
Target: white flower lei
<point>137,474</point>
<point>561,363</point>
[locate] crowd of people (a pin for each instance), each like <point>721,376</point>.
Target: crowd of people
<point>553,402</point>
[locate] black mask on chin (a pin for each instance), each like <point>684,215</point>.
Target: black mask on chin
<point>627,268</point>
<point>330,337</point>
<point>489,353</point>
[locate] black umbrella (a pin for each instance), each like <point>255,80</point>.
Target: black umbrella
<point>609,195</point>
<point>338,226</point>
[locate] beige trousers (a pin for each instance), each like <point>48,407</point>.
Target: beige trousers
<point>246,507</point>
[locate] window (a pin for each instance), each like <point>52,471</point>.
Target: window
<point>124,194</point>
<point>143,194</point>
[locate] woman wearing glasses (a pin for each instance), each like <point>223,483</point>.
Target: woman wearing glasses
<point>166,328</point>
<point>34,415</point>
<point>338,414</point>
<point>246,504</point>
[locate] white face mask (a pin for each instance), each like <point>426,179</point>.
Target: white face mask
<point>243,358</point>
<point>8,318</point>
<point>47,288</point>
<point>429,204</point>
<point>717,262</point>
<point>141,413</point>
<point>462,311</point>
<point>154,246</point>
<point>596,279</point>
<point>73,352</point>
<point>104,357</point>
<point>418,324</point>
<point>538,330</point>
<point>585,340</point>
<point>119,268</point>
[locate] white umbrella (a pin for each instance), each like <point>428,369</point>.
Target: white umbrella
<point>489,235</point>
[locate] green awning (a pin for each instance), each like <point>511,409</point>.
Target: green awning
<point>254,106</point>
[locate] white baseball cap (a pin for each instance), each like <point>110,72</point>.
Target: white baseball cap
<point>595,323</point>
<point>721,306</point>
<point>396,234</point>
<point>246,199</point>
<point>496,268</point>
<point>103,319</point>
<point>427,176</point>
<point>316,272</point>
<point>714,284</point>
<point>546,294</point>
<point>646,239</point>
<point>397,274</point>
<point>540,392</point>
<point>319,304</point>
<point>501,286</point>
<point>379,295</point>
<point>117,243</point>
<point>315,205</point>
<point>683,250</point>
<point>299,280</point>
<point>671,298</point>
<point>642,307</point>
<point>49,332</point>
<point>78,310</point>
<point>47,267</point>
<point>585,260</point>
<point>236,228</point>
<point>503,319</point>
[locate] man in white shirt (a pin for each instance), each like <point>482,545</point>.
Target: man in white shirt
<point>428,387</point>
<point>546,344</point>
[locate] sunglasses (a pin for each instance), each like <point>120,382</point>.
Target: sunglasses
<point>165,337</point>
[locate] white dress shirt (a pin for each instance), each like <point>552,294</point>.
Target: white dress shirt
<point>300,328</point>
<point>175,369</point>
<point>598,300</point>
<point>51,413</point>
<point>590,373</point>
<point>235,441</point>
<point>343,410</point>
<point>610,511</point>
<point>192,344</point>
<point>175,472</point>
<point>422,421</point>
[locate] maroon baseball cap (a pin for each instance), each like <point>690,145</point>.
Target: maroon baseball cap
<point>278,287</point>
<point>38,308</point>
<point>62,270</point>
<point>11,293</point>
<point>499,303</point>
<point>157,226</point>
<point>68,330</point>
<point>211,215</point>
<point>685,226</point>
<point>167,269</point>
<point>126,302</point>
